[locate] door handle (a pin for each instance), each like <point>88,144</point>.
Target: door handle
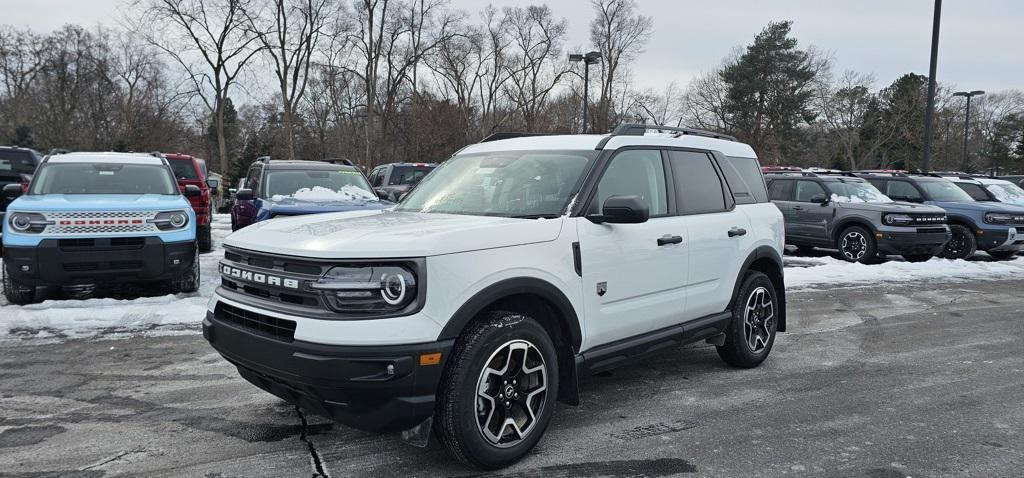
<point>669,239</point>
<point>737,231</point>
<point>798,208</point>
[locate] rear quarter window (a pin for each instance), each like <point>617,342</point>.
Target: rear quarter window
<point>745,179</point>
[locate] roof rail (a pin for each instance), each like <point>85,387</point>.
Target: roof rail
<point>343,161</point>
<point>895,174</point>
<point>634,129</point>
<point>509,135</point>
<point>263,159</point>
<point>59,151</point>
<point>806,174</point>
<point>156,154</point>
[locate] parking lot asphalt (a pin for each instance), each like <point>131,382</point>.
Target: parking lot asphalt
<point>918,381</point>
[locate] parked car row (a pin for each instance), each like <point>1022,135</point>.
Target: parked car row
<point>866,213</point>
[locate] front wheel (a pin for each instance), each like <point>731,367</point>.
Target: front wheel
<point>961,245</point>
<point>189,279</point>
<point>498,392</point>
<point>204,236</point>
<point>16,292</point>
<point>856,244</point>
<point>755,320</point>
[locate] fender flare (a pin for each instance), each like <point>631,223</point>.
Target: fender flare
<point>507,288</point>
<point>853,220</point>
<point>769,253</point>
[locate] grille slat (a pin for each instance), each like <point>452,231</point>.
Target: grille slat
<point>99,222</point>
<point>265,325</point>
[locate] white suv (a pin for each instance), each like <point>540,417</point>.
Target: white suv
<point>513,269</point>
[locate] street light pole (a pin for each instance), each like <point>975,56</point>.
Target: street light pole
<point>588,59</point>
<point>926,162</point>
<point>967,121</point>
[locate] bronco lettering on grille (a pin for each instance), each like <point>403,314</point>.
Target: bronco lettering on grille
<point>258,278</point>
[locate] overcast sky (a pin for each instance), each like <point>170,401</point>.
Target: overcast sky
<point>981,46</point>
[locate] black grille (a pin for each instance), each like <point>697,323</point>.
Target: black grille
<point>280,329</point>
<point>931,230</point>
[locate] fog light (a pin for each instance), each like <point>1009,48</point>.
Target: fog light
<point>26,268</point>
<point>176,261</point>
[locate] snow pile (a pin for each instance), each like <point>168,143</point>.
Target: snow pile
<point>112,317</point>
<point>347,192</point>
<point>823,272</point>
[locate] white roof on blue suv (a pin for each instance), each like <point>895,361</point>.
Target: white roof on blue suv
<point>134,158</point>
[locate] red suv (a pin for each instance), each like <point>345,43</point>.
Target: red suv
<point>191,170</point>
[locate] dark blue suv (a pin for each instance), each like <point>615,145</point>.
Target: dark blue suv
<point>293,188</point>
<point>996,228</point>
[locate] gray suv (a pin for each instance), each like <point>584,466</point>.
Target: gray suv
<point>849,214</point>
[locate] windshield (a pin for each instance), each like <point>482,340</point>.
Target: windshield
<point>528,184</point>
<point>319,185</point>
<point>856,192</point>
<point>1010,193</point>
<point>103,178</point>
<point>944,191</point>
<point>17,161</point>
<point>408,175</point>
<point>183,169</point>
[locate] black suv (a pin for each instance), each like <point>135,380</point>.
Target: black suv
<point>17,165</point>
<point>847,213</point>
<point>392,181</point>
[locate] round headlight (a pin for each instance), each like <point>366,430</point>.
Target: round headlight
<point>178,219</point>
<point>392,288</point>
<point>21,222</point>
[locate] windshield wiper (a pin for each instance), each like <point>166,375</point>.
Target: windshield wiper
<point>536,216</point>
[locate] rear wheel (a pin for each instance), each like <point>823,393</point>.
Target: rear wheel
<point>751,333</point>
<point>16,292</point>
<point>856,244</point>
<point>204,236</point>
<point>1002,255</point>
<point>961,245</point>
<point>498,392</point>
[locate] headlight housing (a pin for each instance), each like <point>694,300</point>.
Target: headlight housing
<point>170,220</point>
<point>998,218</point>
<point>27,222</point>
<point>371,289</point>
<point>898,220</point>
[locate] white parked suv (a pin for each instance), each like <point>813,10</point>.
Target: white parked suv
<point>512,270</point>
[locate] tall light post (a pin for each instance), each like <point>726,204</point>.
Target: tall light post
<point>926,163</point>
<point>967,120</point>
<point>587,59</point>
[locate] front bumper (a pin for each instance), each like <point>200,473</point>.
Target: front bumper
<point>58,262</point>
<point>930,240</point>
<point>373,388</point>
<point>999,240</point>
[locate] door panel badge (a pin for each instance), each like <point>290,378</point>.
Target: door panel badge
<point>602,287</point>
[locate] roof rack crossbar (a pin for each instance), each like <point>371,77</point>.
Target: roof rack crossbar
<point>635,129</point>
<point>509,135</point>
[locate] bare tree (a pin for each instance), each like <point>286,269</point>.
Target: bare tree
<point>619,33</point>
<point>289,31</point>
<point>210,41</point>
<point>665,107</point>
<point>843,108</point>
<point>537,66</point>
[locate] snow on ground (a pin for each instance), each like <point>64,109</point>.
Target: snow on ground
<point>115,315</point>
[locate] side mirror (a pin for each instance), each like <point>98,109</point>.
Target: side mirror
<point>383,195</point>
<point>192,190</point>
<point>622,210</point>
<point>12,191</point>
<point>212,183</point>
<point>820,199</point>
<point>244,195</point>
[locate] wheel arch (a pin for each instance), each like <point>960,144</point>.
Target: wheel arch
<point>843,224</point>
<point>768,261</point>
<point>540,300</point>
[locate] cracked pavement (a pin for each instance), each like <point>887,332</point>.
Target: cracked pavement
<point>922,381</point>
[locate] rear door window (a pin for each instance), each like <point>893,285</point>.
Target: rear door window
<point>697,184</point>
<point>975,191</point>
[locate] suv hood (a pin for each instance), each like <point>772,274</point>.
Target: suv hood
<point>372,234</point>
<point>97,202</point>
<point>980,206</point>
<point>293,206</point>
<point>897,206</point>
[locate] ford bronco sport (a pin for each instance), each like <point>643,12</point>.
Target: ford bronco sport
<point>189,170</point>
<point>984,226</point>
<point>515,268</point>
<point>96,218</point>
<point>847,213</point>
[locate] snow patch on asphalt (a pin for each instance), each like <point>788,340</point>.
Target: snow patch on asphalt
<point>826,272</point>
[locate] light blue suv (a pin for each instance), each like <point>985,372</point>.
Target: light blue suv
<point>99,218</point>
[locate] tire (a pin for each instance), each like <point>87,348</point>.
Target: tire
<point>751,333</point>
<point>17,293</point>
<point>233,226</point>
<point>961,245</point>
<point>204,236</point>
<point>461,416</point>
<point>804,250</point>
<point>189,280</point>
<point>1003,255</point>
<point>856,244</point>
<point>917,257</point>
